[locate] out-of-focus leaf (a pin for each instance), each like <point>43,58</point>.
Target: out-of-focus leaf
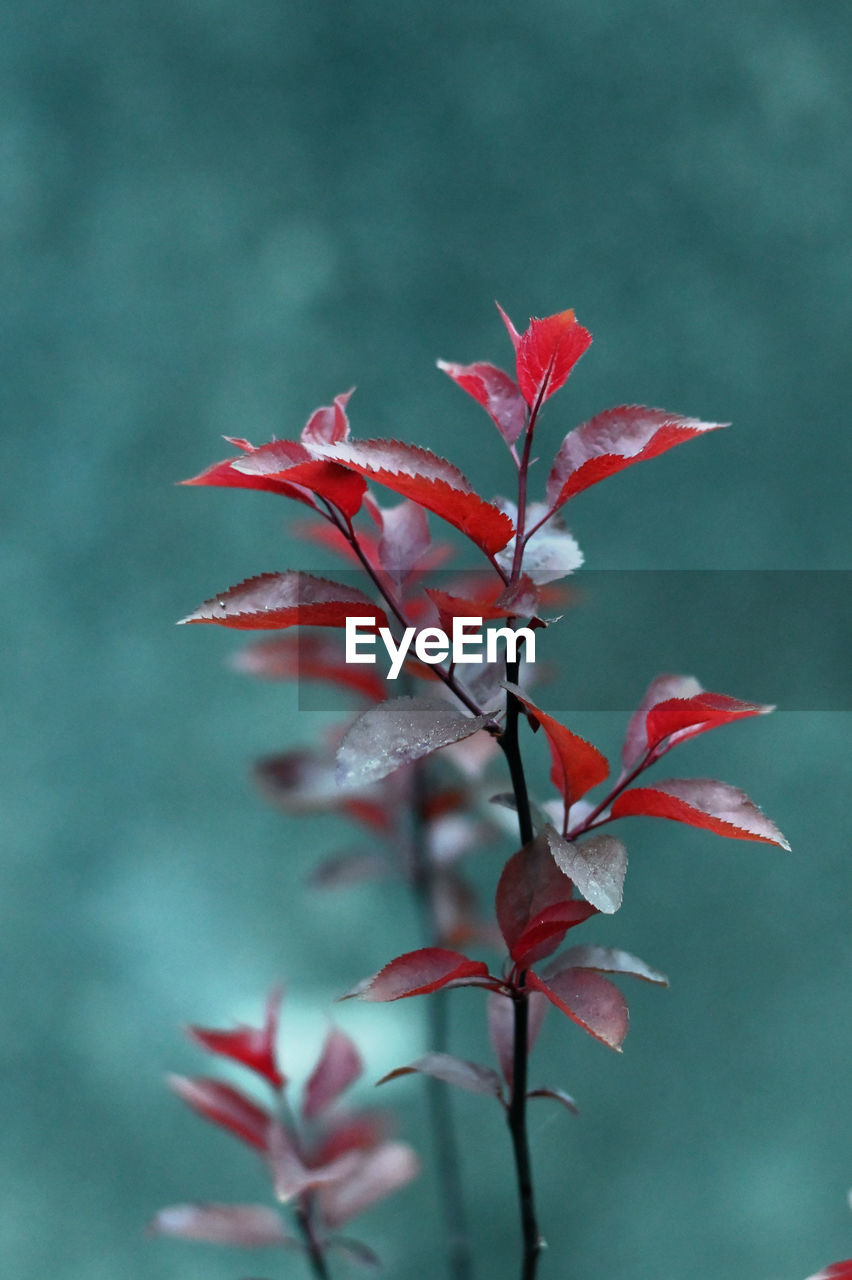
<point>247,1225</point>
<point>577,765</point>
<point>456,1071</point>
<point>254,1047</point>
<point>417,973</point>
<point>339,1066</point>
<point>495,391</point>
<point>659,690</point>
<point>355,1251</point>
<point>534,904</point>
<point>614,440</point>
<point>597,866</point>
<point>404,541</point>
<point>349,868</point>
<point>428,480</point>
<point>399,731</point>
<point>546,353</point>
<point>305,782</point>
<point>225,1106</point>
<point>590,1000</point>
<point>380,1172</point>
<point>609,960</point>
<point>558,1095</point>
<point>342,1132</point>
<point>701,802</point>
<point>501,1027</point>
<point>291,1176</point>
<point>837,1271</point>
<point>272,601</point>
<point>295,657</point>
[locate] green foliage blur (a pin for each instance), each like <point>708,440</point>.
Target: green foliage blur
<point>216,216</point>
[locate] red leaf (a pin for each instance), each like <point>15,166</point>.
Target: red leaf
<point>399,731</point>
<point>456,1071</point>
<point>609,960</point>
<point>224,475</point>
<point>577,765</point>
<point>660,688</point>
<point>379,1173</point>
<point>246,1225</point>
<point>226,1106</point>
<point>614,440</point>
<point>837,1271</point>
<point>495,391</point>
<point>597,866</point>
<point>501,1027</point>
<point>593,1002</point>
<point>680,718</point>
<point>254,1047</point>
<point>534,904</point>
<point>338,1066</point>
<point>348,1133</point>
<point>273,601</point>
<point>328,424</point>
<point>295,657</point>
<point>546,353</point>
<point>431,482</point>
<point>292,463</point>
<point>701,802</point>
<point>417,973</point>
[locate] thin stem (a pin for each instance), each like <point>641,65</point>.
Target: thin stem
<point>313,1248</point>
<point>517,1112</point>
<point>438,1101</point>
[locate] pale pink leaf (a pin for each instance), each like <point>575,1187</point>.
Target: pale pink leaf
<point>398,731</point>
<point>608,960</point>
<point>660,688</point>
<point>597,866</point>
<point>339,1066</point>
<point>329,423</point>
<point>501,1027</point>
<point>272,601</point>
<point>404,540</point>
<point>701,802</point>
<point>246,1225</point>
<point>455,1071</point>
<point>379,1173</point>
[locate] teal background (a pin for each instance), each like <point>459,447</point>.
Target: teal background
<point>216,216</point>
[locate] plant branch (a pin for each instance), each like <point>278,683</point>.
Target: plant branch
<point>313,1248</point>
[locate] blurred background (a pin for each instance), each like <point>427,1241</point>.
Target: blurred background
<point>216,216</point>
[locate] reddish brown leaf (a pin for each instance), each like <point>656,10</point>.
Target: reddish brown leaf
<point>225,1106</point>
<point>614,440</point>
<point>273,601</point>
<point>534,904</point>
<point>254,1047</point>
<point>577,765</point>
<point>417,973</point>
<point>501,1027</point>
<point>546,353</point>
<point>339,1066</point>
<point>428,480</point>
<point>246,1225</point>
<point>379,1173</point>
<point>295,657</point>
<point>593,1002</point>
<point>456,1071</point>
<point>399,731</point>
<point>701,802</point>
<point>495,391</point>
<point>597,866</point>
<point>558,1095</point>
